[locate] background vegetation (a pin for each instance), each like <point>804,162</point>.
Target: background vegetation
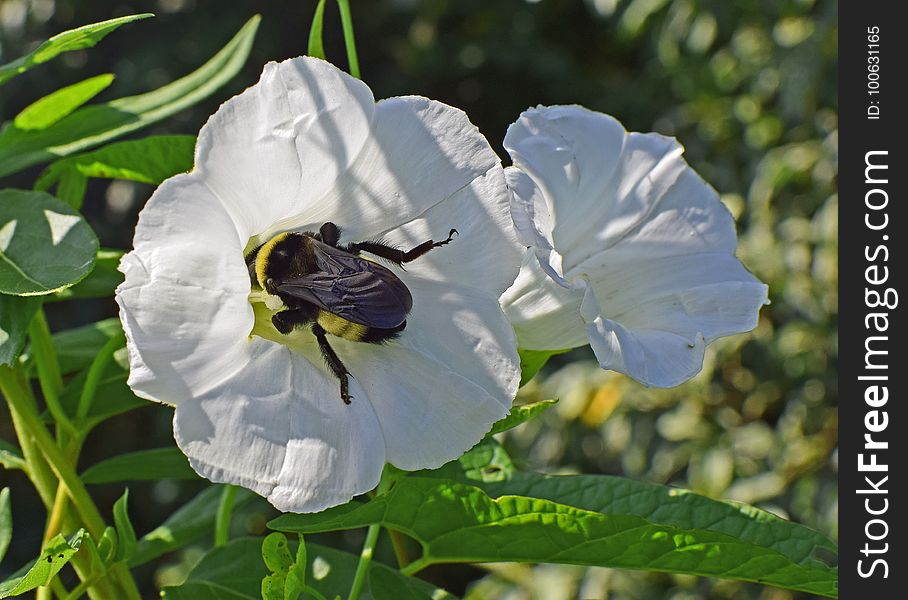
<point>749,88</point>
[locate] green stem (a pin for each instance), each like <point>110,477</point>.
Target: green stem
<point>349,41</point>
<point>399,543</point>
<point>93,378</point>
<point>79,590</point>
<point>417,565</point>
<point>222,519</point>
<point>48,367</point>
<point>30,426</point>
<point>365,559</point>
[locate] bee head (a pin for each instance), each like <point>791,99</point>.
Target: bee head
<point>274,259</point>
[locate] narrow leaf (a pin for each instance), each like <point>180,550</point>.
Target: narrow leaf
<point>126,535</point>
<point>45,245</point>
<point>235,572</point>
<point>11,456</point>
<point>56,553</point>
<point>77,347</point>
<point>6,522</point>
<point>112,397</point>
<point>143,465</point>
<point>51,108</point>
<point>93,125</point>
<point>532,361</point>
<point>190,522</point>
<point>148,160</point>
<point>67,41</point>
<point>521,414</point>
<point>316,48</point>
<point>455,522</point>
<point>16,313</point>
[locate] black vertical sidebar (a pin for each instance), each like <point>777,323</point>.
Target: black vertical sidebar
<point>873,466</point>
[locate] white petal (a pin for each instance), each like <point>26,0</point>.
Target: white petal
<point>276,149</point>
<point>598,181</point>
<point>439,388</point>
<point>545,314</point>
<point>485,254</point>
<point>419,153</point>
<point>184,303</point>
<point>282,430</point>
<point>534,224</point>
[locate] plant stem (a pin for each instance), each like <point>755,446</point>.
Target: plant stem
<point>55,517</point>
<point>94,376</point>
<point>48,367</point>
<point>417,565</point>
<point>222,519</point>
<point>349,41</point>
<point>365,559</point>
<point>399,543</point>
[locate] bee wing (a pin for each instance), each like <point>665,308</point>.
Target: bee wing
<point>352,288</point>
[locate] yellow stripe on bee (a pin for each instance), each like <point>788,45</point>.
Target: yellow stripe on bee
<point>260,258</point>
<point>341,327</point>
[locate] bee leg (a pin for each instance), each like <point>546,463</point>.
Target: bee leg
<point>288,320</point>
<point>334,363</point>
<point>396,255</point>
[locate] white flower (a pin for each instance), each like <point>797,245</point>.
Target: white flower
<point>632,252</point>
<point>307,145</point>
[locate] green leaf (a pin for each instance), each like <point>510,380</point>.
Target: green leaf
<point>610,495</point>
<point>235,572</point>
<point>93,125</point>
<point>112,397</point>
<point>6,522</point>
<point>126,535</point>
<point>51,108</point>
<point>531,361</point>
<point>521,414</point>
<point>279,561</point>
<point>143,465</point>
<point>148,160</point>
<point>67,41</point>
<point>56,553</point>
<point>101,282</point>
<point>11,456</point>
<point>45,245</point>
<point>77,347</point>
<point>316,48</point>
<point>190,522</point>
<point>456,522</point>
<point>16,313</point>
<point>107,547</point>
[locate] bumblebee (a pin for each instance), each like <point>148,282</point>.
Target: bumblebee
<point>331,289</point>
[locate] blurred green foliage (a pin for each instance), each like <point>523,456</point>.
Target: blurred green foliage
<point>748,86</point>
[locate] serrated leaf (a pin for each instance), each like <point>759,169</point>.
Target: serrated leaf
<point>456,522</point>
<point>531,361</point>
<point>56,553</point>
<point>101,282</point>
<point>67,41</point>
<point>521,414</point>
<point>190,522</point>
<point>316,48</point>
<point>126,534</point>
<point>6,522</point>
<point>235,571</point>
<point>16,312</point>
<point>143,465</point>
<point>93,125</point>
<point>51,108</point>
<point>148,160</point>
<point>45,245</point>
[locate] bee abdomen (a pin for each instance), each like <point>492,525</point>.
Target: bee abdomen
<point>341,327</point>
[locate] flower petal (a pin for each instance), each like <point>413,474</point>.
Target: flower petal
<point>420,152</point>
<point>534,224</point>
<point>275,150</point>
<point>455,372</point>
<point>184,302</point>
<point>545,315</point>
<point>598,180</point>
<point>282,430</point>
<point>485,253</point>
